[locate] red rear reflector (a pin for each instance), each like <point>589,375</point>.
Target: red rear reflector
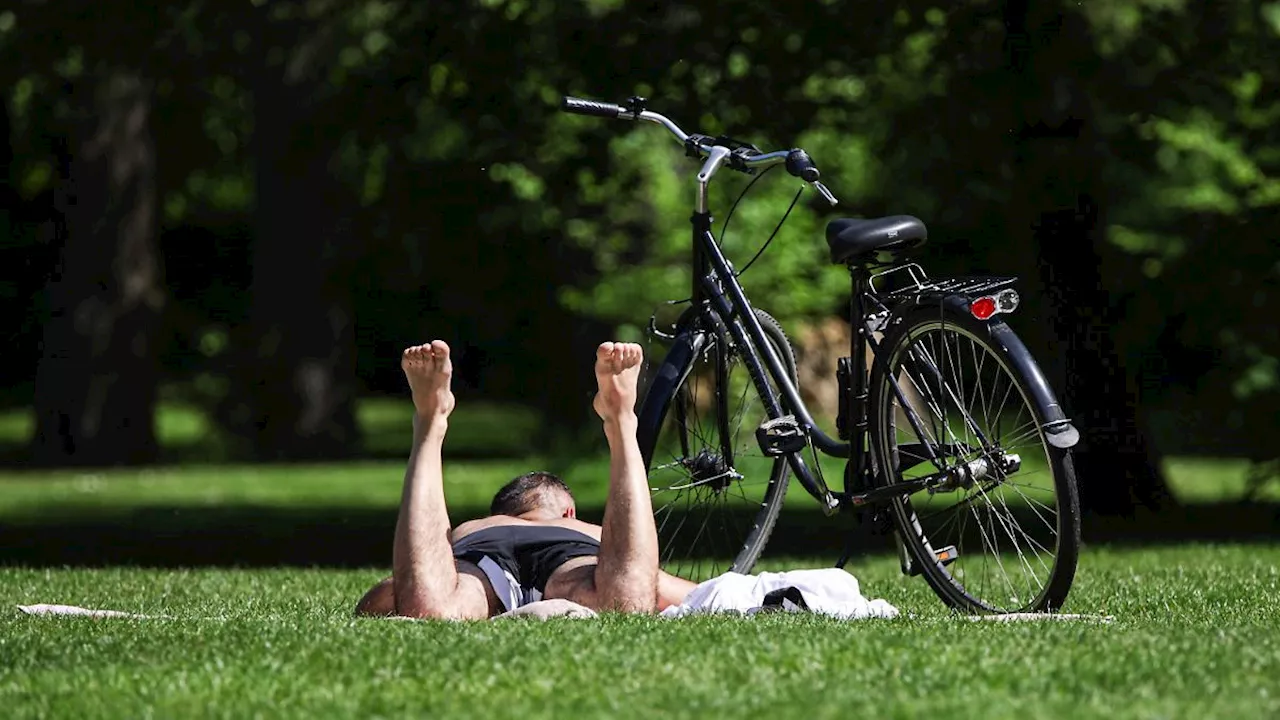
<point>983,308</point>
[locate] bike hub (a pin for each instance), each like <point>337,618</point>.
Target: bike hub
<point>964,475</point>
<point>710,469</point>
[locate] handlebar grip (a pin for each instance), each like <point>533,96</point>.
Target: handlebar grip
<point>801,165</point>
<point>578,106</point>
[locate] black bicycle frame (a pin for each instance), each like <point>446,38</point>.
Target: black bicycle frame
<point>715,284</point>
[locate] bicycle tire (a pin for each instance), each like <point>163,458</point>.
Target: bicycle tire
<point>685,457</point>
<point>947,359</point>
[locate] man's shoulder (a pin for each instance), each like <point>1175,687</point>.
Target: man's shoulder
<point>591,531</point>
<point>472,526</point>
<point>466,528</point>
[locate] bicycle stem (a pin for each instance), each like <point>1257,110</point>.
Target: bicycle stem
<point>715,158</point>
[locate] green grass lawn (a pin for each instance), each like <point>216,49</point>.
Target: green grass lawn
<point>185,433</point>
<point>480,430</point>
<point>1196,630</point>
<point>1195,635</point>
<point>377,484</point>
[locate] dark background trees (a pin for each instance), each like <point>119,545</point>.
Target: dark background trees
<point>250,208</point>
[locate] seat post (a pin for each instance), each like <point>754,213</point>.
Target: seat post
<point>856,401</point>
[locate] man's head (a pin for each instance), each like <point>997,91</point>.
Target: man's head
<point>540,493</point>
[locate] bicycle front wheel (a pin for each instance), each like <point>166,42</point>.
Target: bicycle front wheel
<point>998,527</point>
<point>715,495</point>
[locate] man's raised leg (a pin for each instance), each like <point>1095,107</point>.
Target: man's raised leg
<point>626,576</point>
<point>426,582</point>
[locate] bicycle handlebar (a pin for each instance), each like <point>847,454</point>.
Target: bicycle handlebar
<point>579,106</point>
<point>742,159</point>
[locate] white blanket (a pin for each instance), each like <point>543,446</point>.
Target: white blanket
<point>46,609</point>
<point>827,591</point>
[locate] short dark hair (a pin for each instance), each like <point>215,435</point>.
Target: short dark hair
<point>526,492</point>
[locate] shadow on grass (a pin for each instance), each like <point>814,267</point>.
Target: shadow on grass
<point>338,537</point>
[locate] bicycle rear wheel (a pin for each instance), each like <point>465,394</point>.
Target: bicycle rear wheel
<point>1000,529</point>
<point>715,495</point>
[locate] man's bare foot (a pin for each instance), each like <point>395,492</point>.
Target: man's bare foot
<point>617,373</point>
<point>429,371</point>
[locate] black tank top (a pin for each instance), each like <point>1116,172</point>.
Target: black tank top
<point>529,552</point>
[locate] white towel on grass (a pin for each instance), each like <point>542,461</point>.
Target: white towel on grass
<point>46,609</point>
<point>826,591</point>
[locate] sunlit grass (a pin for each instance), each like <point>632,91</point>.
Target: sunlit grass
<point>1194,633</point>
<point>507,431</point>
<point>373,484</point>
<point>1195,480</point>
<point>177,423</point>
<point>476,429</point>
<point>377,484</point>
<point>17,426</point>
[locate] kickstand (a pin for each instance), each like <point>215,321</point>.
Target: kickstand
<point>848,550</point>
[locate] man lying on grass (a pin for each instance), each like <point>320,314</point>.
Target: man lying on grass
<point>531,547</point>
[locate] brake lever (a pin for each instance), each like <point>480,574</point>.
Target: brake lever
<point>826,194</point>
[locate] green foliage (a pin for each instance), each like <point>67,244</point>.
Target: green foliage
<point>440,120</point>
<point>641,241</point>
<point>1198,181</point>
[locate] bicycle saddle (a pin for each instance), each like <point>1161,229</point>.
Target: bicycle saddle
<point>851,237</point>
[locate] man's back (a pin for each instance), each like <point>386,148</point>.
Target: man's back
<point>520,559</point>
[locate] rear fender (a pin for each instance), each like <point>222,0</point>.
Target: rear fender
<point>1057,427</point>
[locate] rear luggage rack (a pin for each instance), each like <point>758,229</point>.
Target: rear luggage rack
<point>918,283</point>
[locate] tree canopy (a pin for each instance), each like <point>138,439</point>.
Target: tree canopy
<point>332,180</point>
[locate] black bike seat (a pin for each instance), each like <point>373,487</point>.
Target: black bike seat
<point>851,237</point>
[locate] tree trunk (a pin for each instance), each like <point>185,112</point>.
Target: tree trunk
<point>302,373</point>
<point>1057,207</point>
<point>95,389</point>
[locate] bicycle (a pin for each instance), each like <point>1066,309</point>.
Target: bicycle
<point>948,429</point>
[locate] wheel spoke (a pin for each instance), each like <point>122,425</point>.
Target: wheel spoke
<point>1007,524</point>
<point>717,491</point>
<point>1031,504</point>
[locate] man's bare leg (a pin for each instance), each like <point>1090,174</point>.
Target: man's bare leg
<point>626,576</point>
<point>426,582</point>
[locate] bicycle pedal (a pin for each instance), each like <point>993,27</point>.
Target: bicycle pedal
<point>781,436</point>
<point>945,556</point>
